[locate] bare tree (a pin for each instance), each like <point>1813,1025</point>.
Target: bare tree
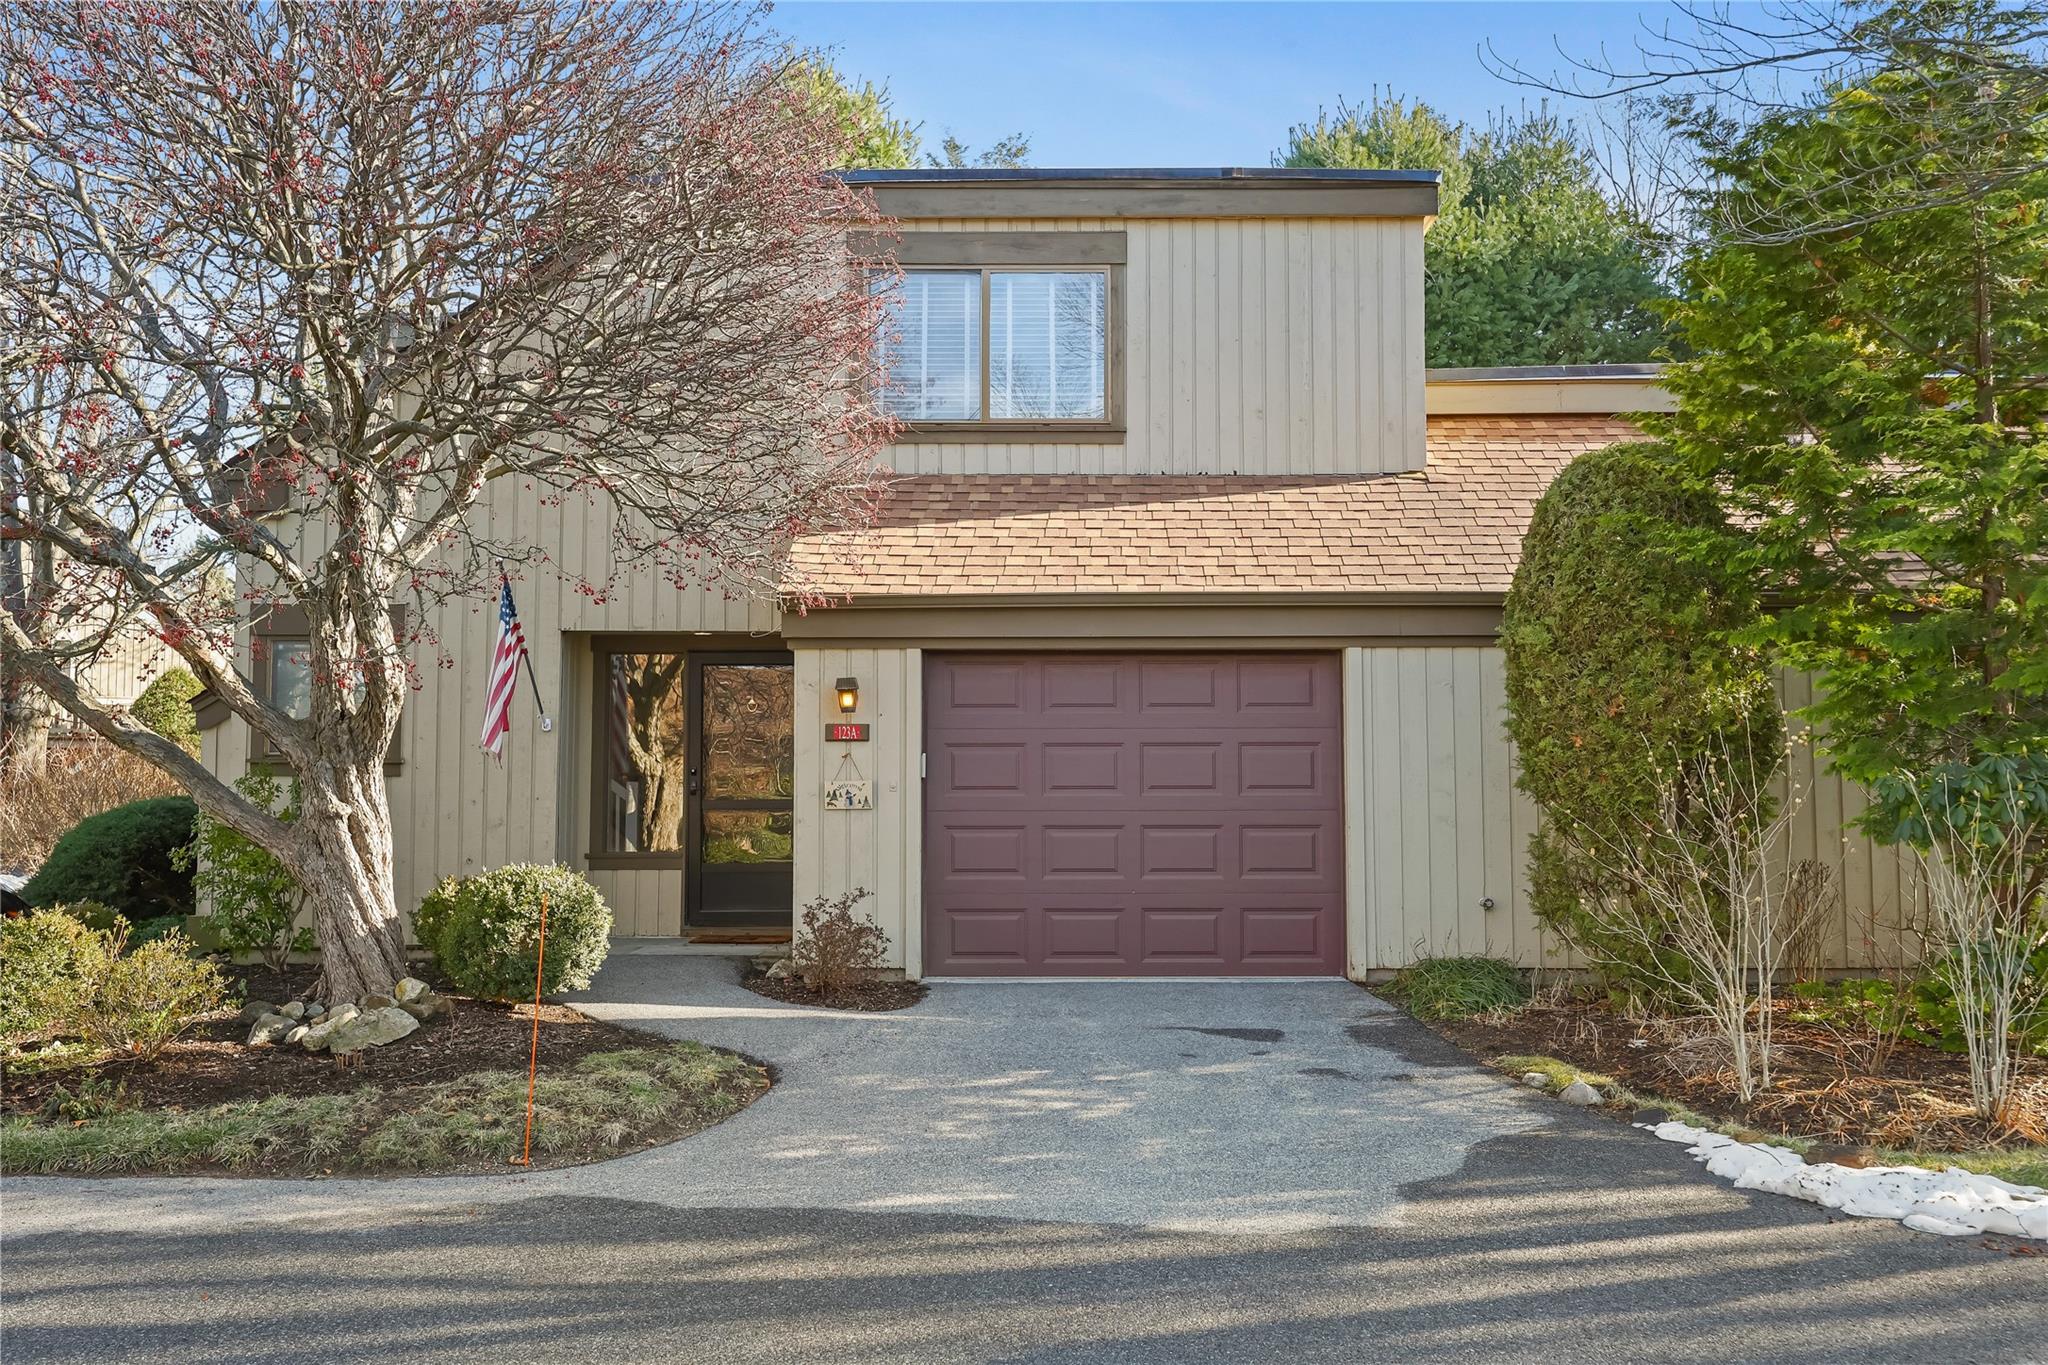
<point>1704,888</point>
<point>375,259</point>
<point>1957,82</point>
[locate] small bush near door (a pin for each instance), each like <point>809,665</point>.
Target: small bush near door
<point>835,950</point>
<point>485,930</point>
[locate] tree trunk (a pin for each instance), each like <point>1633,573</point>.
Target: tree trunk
<point>25,720</point>
<point>345,827</point>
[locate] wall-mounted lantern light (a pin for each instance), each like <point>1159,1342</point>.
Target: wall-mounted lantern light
<point>849,695</point>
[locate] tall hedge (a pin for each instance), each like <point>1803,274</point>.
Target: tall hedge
<point>1621,635</point>
<point>122,858</point>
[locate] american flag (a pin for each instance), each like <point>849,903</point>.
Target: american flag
<point>504,673</point>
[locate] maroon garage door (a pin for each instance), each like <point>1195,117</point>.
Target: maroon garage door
<point>1150,814</point>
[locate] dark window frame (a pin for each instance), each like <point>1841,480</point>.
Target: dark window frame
<point>990,253</point>
<point>288,625</point>
<point>602,647</point>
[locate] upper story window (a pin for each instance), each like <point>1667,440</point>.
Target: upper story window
<point>1000,348</point>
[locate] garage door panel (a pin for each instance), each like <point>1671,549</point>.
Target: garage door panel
<point>1084,936</point>
<point>1084,767</point>
<point>986,686</point>
<point>1180,767</point>
<point>990,937</point>
<point>986,767</point>
<point>1274,685</point>
<point>1144,814</point>
<point>1075,688</point>
<point>1192,938</point>
<point>1084,852</point>
<point>980,852</point>
<point>1295,935</point>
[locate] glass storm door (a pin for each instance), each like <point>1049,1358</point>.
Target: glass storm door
<point>742,789</point>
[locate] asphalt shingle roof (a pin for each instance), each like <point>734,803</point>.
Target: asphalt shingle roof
<point>1455,526</point>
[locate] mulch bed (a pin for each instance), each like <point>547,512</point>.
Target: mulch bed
<point>869,996</point>
<point>211,1065</point>
<point>1826,1083</point>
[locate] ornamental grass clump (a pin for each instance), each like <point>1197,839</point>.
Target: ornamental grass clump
<point>1460,987</point>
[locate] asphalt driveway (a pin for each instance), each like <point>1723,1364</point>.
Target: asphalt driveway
<point>1025,1172</point>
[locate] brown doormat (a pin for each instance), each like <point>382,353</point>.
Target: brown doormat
<point>762,934</point>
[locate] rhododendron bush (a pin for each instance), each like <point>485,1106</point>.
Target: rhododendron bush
<point>298,287</point>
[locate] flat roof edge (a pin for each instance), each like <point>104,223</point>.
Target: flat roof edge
<point>1246,175</point>
<point>1649,371</point>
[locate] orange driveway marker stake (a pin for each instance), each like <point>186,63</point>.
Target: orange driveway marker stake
<point>540,958</point>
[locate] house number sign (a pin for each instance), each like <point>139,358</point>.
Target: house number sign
<point>846,732</point>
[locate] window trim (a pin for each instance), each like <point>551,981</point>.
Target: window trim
<point>602,647</point>
<point>288,625</point>
<point>989,253</point>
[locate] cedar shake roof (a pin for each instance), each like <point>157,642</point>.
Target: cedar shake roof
<point>1455,526</point>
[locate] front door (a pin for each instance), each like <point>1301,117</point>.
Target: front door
<point>742,788</point>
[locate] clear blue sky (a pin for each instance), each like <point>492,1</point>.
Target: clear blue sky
<point>1173,84</point>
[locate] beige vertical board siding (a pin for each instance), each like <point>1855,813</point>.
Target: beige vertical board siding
<point>876,850</point>
<point>645,902</point>
<point>1436,826</point>
<point>129,663</point>
<point>1252,346</point>
<point>454,810</point>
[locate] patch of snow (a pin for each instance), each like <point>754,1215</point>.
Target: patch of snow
<point>1953,1203</point>
<point>10,882</point>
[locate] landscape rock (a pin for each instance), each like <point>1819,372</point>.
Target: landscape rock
<point>1537,1079</point>
<point>298,1031</point>
<point>427,1006</point>
<point>373,1028</point>
<point>255,1010</point>
<point>374,1001</point>
<point>314,1009</point>
<point>322,1029</point>
<point>778,970</point>
<point>293,1009</point>
<point>1578,1092</point>
<point>270,1028</point>
<point>409,989</point>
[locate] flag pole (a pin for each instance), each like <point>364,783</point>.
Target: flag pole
<point>527,659</point>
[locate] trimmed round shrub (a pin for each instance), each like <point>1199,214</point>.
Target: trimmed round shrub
<point>435,910</point>
<point>485,930</point>
<point>43,959</point>
<point>1622,636</point>
<point>122,858</point>
<point>165,706</point>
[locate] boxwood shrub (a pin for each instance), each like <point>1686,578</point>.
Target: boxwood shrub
<point>42,960</point>
<point>484,930</point>
<point>122,858</point>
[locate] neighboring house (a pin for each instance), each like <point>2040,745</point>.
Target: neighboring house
<point>116,674</point>
<point>1173,652</point>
